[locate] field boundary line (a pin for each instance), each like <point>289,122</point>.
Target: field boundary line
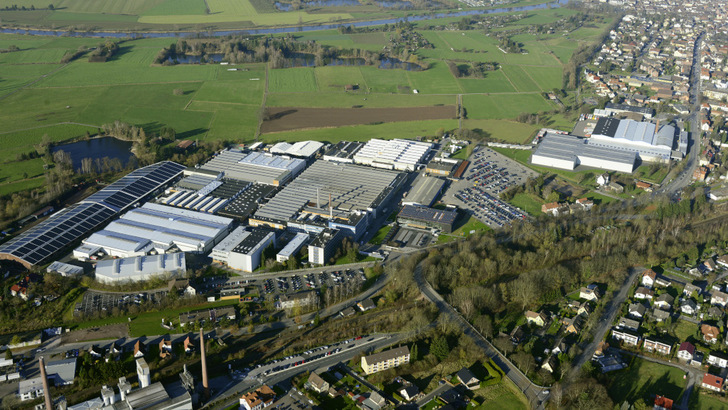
<point>534,81</point>
<point>509,80</point>
<point>46,75</point>
<point>122,84</point>
<point>48,126</point>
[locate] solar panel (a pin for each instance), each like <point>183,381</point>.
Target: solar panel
<point>70,224</point>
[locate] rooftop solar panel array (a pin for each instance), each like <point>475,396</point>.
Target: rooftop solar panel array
<point>70,224</point>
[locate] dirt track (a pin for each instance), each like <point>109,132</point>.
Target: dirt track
<point>296,118</point>
<point>116,331</point>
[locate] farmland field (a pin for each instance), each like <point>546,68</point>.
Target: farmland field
<point>292,118</point>
<point>212,102</point>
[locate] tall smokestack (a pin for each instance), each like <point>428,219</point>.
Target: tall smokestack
<point>46,389</point>
<point>331,210</point>
<point>205,385</point>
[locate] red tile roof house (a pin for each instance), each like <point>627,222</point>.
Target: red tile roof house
<point>710,333</point>
<point>662,403</point>
<point>712,382</point>
<point>648,278</point>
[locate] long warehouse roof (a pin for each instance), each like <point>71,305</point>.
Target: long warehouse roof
<point>254,166</point>
<point>72,223</point>
<point>352,187</point>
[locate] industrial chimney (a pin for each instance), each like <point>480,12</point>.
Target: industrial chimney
<point>46,389</point>
<point>205,385</point>
<point>331,209</point>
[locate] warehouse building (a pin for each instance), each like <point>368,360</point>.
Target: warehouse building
<point>642,138</point>
<point>443,167</point>
<point>242,249</point>
<point>155,227</point>
<point>612,109</point>
<point>69,225</point>
<point>255,166</point>
<point>324,245</point>
<point>397,154</point>
<point>64,269</point>
<point>301,149</point>
<point>425,191</point>
<point>568,152</point>
<point>140,268</point>
<point>343,151</point>
<point>330,195</point>
<point>426,218</point>
<point>292,247</point>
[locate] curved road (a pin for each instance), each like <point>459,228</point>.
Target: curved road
<point>536,395</point>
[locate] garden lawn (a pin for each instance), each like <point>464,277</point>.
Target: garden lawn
<point>642,379</point>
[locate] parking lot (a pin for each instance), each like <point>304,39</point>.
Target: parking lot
<point>295,283</point>
<point>95,301</point>
<point>489,174</point>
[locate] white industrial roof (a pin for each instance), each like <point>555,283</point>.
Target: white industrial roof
<point>299,149</point>
<point>569,148</point>
<point>163,225</point>
<point>294,245</point>
<point>396,150</point>
<point>64,268</point>
<point>63,370</point>
<point>255,166</point>
<point>140,267</point>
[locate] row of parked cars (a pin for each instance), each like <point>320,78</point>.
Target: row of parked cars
<point>488,207</point>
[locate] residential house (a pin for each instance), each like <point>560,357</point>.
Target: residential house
<point>712,382</point>
<point>551,208</point>
<point>715,312</point>
<point>718,298</point>
<point>550,364</point>
<point>630,324</point>
<point>468,379</point>
<point>385,360</point>
<point>690,289</point>
<point>165,348</point>
<point>139,349</point>
<point>188,345</point>
<point>662,403</point>
<point>709,265</point>
<point>258,399</point>
<point>689,307</point>
<point>719,359</point>
<point>533,318</point>
<point>95,351</point>
<point>662,281</point>
<point>626,336</point>
<point>643,293</point>
<point>584,310</point>
<point>572,325</point>
<point>660,315</point>
<point>561,347</point>
<point>637,310</point>
<point>375,401</point>
<point>589,294</point>
<point>517,335</point>
<point>409,392</point>
<point>710,333</point>
<point>654,345</point>
<point>366,304</point>
<point>648,278</point>
<point>722,261</point>
<point>664,301</point>
<point>316,383</point>
<point>686,351</point>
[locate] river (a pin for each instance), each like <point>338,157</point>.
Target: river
<point>162,34</point>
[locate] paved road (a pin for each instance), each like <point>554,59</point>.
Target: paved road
<point>226,391</point>
<point>605,322</point>
<point>536,395</point>
<point>684,178</point>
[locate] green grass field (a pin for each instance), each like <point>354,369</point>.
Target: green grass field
<point>642,379</point>
<point>528,203</point>
<point>504,105</point>
<point>292,80</point>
